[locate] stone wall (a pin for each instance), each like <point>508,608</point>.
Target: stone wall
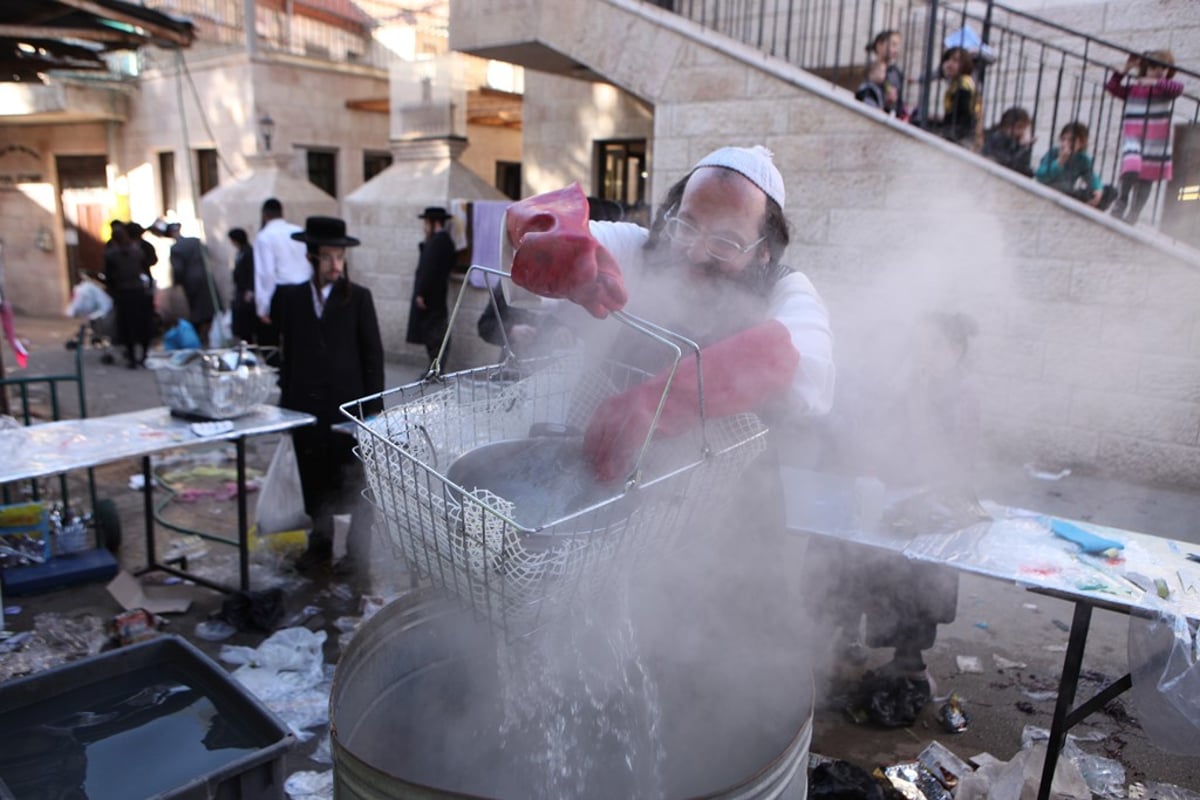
<point>1088,352</point>
<point>1136,24</point>
<point>34,254</point>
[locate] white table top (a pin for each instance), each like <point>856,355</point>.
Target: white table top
<point>1013,545</point>
<point>51,448</point>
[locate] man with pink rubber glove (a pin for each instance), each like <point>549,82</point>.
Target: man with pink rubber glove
<point>717,240</point>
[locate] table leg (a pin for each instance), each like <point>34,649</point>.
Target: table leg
<point>148,510</point>
<point>243,517</point>
<point>1067,684</point>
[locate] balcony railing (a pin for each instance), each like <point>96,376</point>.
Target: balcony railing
<point>1056,74</point>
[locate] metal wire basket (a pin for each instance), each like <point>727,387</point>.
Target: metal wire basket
<point>212,384</point>
<point>517,570</point>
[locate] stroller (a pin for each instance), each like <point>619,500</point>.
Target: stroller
<point>91,303</point>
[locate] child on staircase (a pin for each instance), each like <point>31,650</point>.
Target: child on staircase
<point>1145,127</point>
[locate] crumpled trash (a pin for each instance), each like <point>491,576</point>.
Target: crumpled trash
<point>944,765</point>
<point>1105,777</point>
<point>914,779</point>
<point>135,625</point>
<point>1003,663</point>
<point>259,610</point>
<point>55,639</point>
<point>287,672</point>
<point>839,780</point>
<point>1150,790</point>
<point>969,664</point>
<point>214,630</point>
<point>307,785</point>
<point>1021,776</point>
<point>888,700</point>
<point>1045,475</point>
<point>953,716</point>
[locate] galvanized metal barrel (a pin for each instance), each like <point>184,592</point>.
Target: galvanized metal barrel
<point>415,714</point>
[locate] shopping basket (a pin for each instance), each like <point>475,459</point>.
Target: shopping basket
<point>213,384</point>
<point>520,570</point>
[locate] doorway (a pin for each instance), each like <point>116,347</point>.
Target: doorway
<point>85,200</point>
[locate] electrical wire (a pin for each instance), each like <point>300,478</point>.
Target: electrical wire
<point>183,68</point>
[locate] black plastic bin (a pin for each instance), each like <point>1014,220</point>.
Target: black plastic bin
<point>158,719</point>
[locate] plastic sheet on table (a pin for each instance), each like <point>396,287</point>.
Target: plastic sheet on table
<point>995,548</point>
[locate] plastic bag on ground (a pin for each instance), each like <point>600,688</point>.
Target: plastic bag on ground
<point>1019,779</point>
<point>281,500</point>
<point>1164,659</point>
<point>309,785</point>
<point>287,672</point>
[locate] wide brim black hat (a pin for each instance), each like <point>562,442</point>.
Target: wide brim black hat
<point>434,212</point>
<point>327,231</point>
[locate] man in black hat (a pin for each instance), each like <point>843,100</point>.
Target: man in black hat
<point>332,353</point>
<point>428,314</point>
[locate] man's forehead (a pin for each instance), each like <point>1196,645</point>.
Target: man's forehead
<point>713,188</point>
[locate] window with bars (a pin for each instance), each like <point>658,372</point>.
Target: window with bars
<point>207,175</point>
<point>166,181</point>
<point>322,170</point>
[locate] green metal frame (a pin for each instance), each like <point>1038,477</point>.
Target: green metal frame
<point>22,384</point>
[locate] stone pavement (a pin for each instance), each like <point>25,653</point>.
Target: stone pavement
<point>993,619</point>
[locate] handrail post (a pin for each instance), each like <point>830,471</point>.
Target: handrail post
<point>927,77</point>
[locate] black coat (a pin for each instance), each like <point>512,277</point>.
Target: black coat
<point>431,282</point>
<point>327,361</point>
<point>245,314</point>
<point>190,271</point>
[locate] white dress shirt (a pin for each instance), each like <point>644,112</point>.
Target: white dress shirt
<point>278,260</point>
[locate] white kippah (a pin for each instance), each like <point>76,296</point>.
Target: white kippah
<point>754,163</point>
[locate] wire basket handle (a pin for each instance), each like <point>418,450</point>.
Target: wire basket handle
<point>675,342</point>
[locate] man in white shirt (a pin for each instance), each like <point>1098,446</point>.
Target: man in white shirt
<point>278,258</point>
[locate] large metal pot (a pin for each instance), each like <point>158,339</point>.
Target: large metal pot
<point>416,710</point>
<point>546,477</point>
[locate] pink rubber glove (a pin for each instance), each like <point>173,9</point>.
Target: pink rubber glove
<point>556,255</point>
<point>740,374</point>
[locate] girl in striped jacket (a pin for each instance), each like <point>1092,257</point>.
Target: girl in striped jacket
<point>1145,128</point>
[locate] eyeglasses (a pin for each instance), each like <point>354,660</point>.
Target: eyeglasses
<point>687,235</point>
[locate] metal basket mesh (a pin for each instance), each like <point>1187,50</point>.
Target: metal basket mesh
<point>467,541</point>
<point>213,384</point>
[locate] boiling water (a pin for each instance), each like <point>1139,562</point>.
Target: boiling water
<point>136,735</point>
<point>583,713</point>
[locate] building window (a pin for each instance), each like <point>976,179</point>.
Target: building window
<point>375,163</point>
<point>508,178</point>
<point>166,181</point>
<point>206,170</point>
<point>322,170</point>
<point>82,172</point>
<point>621,172</point>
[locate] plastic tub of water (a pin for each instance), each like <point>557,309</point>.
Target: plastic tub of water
<point>157,719</point>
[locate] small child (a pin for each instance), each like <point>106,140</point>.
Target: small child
<point>1068,168</point>
<point>874,90</point>
<point>1009,143</point>
<point>1145,127</point>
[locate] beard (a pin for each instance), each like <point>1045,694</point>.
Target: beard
<point>700,301</point>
